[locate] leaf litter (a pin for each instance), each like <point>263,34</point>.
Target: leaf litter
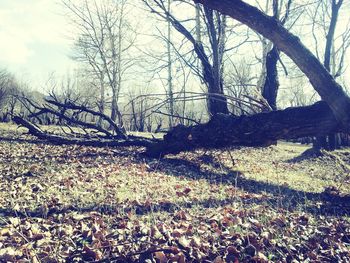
<point>84,204</point>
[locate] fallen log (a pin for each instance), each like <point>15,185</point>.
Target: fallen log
<point>261,129</point>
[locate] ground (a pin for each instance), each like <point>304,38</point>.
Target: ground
<point>84,204</point>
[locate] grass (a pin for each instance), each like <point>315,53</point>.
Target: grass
<point>73,203</point>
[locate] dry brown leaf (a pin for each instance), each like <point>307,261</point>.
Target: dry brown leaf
<point>160,257</point>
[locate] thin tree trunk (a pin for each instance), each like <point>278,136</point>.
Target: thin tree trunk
<point>170,76</point>
<point>271,85</point>
<point>102,101</point>
<point>114,106</point>
<point>216,104</point>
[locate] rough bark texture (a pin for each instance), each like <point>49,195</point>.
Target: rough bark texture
<point>271,84</point>
<point>261,129</point>
<point>329,90</point>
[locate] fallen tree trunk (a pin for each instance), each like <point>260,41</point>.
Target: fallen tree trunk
<point>222,130</point>
<point>261,129</point>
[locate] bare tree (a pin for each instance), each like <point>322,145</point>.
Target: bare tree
<point>9,88</point>
<point>170,68</point>
<point>5,82</point>
<point>329,90</point>
<point>105,36</point>
<point>211,56</point>
<point>324,17</point>
<point>242,89</point>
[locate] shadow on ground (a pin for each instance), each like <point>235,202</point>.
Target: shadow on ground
<point>283,196</point>
<point>278,196</point>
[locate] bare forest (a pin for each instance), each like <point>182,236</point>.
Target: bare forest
<point>175,131</point>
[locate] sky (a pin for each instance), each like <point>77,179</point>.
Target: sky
<point>34,39</point>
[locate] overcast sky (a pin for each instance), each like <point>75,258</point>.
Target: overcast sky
<point>34,38</point>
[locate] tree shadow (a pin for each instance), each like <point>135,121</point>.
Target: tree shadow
<point>122,151</point>
<point>331,208</point>
<point>309,154</point>
<point>284,196</point>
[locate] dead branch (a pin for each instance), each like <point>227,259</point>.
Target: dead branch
<point>99,142</point>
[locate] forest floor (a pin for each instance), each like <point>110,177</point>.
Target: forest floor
<point>84,204</point>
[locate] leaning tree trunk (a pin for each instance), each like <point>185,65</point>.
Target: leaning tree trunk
<point>329,90</point>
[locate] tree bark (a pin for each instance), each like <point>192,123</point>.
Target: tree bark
<point>216,104</point>
<point>329,90</point>
<point>330,35</point>
<point>271,85</point>
<point>261,129</point>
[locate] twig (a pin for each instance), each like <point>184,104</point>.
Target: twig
<point>177,116</point>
